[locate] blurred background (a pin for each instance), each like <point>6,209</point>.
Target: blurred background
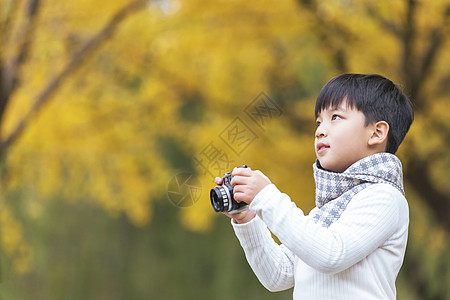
<point>115,116</point>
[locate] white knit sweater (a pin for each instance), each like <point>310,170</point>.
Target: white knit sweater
<point>357,257</point>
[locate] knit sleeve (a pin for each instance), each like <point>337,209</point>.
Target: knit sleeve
<point>273,264</point>
<point>370,218</point>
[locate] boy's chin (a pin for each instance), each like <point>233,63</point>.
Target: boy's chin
<point>332,167</point>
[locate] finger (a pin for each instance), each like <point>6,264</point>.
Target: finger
<point>262,175</point>
<point>242,172</point>
<point>218,180</point>
<point>239,216</point>
<point>239,196</point>
<point>227,214</point>
<point>238,180</point>
<point>240,188</point>
<point>259,172</point>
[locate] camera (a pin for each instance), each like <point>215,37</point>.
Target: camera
<point>222,198</point>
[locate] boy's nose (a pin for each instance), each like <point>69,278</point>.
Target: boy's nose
<point>320,131</point>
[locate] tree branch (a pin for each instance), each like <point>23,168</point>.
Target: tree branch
<point>417,175</point>
<point>73,64</point>
<point>328,31</point>
<point>386,24</point>
<point>443,86</point>
<point>409,33</point>
<point>11,68</point>
<point>6,25</point>
<point>436,41</point>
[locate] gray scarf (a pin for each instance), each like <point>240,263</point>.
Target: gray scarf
<point>335,190</point>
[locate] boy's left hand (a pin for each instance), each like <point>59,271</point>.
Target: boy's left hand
<point>247,184</point>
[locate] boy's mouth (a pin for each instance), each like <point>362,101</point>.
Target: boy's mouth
<point>321,147</point>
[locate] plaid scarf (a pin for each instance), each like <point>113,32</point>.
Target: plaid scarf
<point>335,190</point>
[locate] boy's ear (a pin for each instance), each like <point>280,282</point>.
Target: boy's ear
<point>380,133</point>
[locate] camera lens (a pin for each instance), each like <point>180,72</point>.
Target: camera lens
<point>216,199</point>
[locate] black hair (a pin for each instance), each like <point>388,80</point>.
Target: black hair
<point>377,97</point>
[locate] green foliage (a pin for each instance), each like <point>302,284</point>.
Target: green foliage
<point>88,255</point>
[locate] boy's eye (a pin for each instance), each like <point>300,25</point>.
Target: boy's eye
<point>317,123</point>
<point>336,117</point>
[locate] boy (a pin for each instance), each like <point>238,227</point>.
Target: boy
<point>352,244</point>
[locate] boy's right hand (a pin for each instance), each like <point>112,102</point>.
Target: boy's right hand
<point>242,217</point>
<point>239,218</point>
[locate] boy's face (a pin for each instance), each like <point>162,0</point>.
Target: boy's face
<point>341,137</point>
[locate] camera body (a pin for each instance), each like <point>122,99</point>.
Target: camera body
<point>222,198</point>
